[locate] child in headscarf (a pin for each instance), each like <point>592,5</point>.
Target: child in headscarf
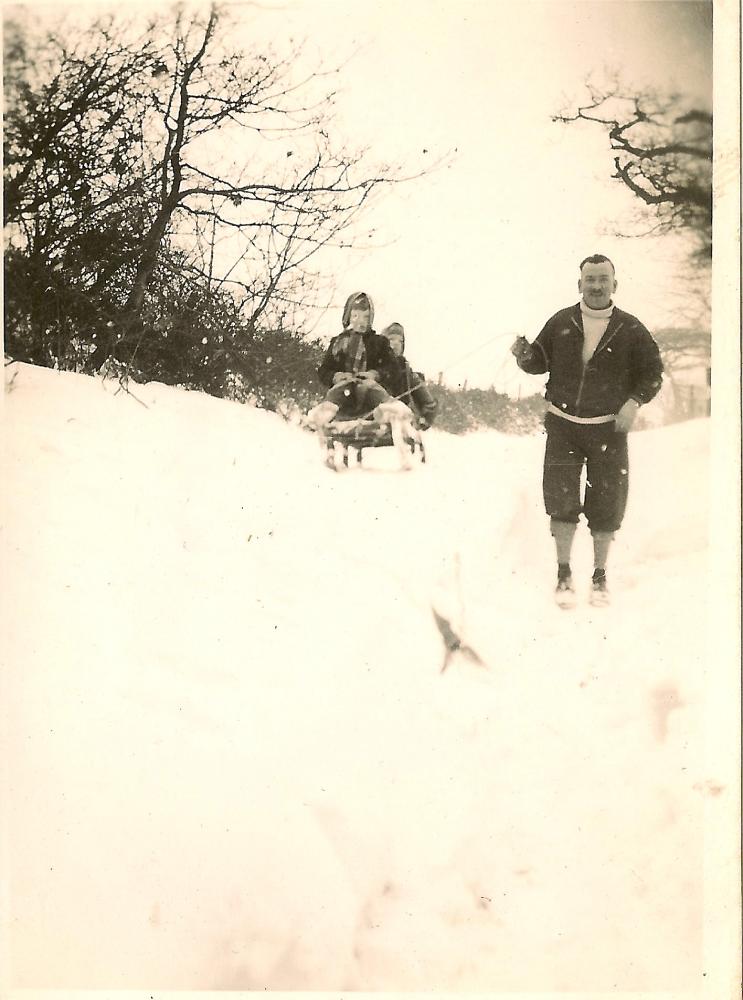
<point>357,367</point>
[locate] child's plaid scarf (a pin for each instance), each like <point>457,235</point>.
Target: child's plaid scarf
<point>349,349</point>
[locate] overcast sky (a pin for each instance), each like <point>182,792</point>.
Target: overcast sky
<point>489,245</point>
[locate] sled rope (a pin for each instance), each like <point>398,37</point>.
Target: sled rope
<point>498,336</point>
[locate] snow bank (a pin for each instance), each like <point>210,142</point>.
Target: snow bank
<point>236,761</point>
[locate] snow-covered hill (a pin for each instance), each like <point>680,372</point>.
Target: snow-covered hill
<point>236,761</point>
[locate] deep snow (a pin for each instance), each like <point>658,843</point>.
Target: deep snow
<point>236,763</point>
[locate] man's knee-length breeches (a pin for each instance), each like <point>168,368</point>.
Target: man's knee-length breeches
<point>604,452</point>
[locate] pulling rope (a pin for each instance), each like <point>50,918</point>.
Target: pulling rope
<point>456,361</point>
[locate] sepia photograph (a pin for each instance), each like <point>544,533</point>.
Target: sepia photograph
<point>370,512</point>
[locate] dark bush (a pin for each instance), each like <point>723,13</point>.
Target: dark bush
<point>463,410</point>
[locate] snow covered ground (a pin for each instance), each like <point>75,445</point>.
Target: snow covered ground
<point>235,761</point>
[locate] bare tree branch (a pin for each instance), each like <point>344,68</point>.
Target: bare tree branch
<point>663,156</point>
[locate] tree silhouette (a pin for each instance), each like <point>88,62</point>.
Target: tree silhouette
<point>138,152</point>
<point>662,153</point>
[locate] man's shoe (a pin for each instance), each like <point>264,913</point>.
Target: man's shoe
<point>599,590</point>
<point>565,592</point>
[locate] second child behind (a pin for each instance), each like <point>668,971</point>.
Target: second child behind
<point>407,385</point>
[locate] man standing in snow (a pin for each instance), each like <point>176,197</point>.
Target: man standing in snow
<point>603,365</point>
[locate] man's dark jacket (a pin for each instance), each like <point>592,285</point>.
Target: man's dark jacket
<point>625,365</point>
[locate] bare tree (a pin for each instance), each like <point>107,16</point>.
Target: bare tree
<point>132,148</point>
<point>662,153</point>
<point>278,213</point>
<point>75,195</point>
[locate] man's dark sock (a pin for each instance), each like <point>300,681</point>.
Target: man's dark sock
<point>563,571</point>
<point>599,574</point>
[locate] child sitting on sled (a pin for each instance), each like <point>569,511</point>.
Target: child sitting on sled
<point>358,366</point>
<point>406,385</point>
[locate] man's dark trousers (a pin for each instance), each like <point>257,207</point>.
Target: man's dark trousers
<point>604,452</point>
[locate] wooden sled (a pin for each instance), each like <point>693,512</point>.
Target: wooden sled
<point>344,441</point>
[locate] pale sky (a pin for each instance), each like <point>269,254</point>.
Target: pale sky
<point>489,246</point>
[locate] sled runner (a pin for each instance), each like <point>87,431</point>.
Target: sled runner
<point>344,441</point>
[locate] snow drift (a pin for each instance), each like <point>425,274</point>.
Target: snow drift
<point>236,761</point>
